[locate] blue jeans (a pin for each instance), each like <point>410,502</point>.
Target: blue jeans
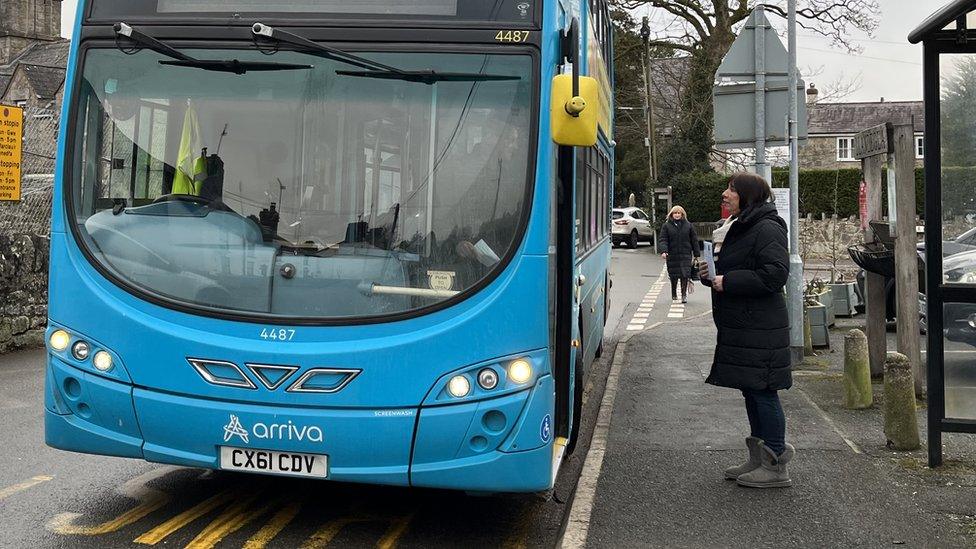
<point>766,418</point>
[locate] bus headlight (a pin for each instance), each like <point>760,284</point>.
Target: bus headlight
<point>520,371</point>
<point>103,361</point>
<point>80,350</point>
<point>459,387</point>
<point>488,379</point>
<point>972,321</point>
<point>59,340</point>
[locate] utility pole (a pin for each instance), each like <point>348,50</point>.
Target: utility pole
<point>649,104</point>
<point>795,281</point>
<point>649,115</point>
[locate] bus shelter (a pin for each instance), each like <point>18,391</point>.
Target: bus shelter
<point>949,50</point>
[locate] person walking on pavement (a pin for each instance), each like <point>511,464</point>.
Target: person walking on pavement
<point>752,352</point>
<point>679,244</point>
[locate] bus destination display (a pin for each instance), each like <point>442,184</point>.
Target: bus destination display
<point>443,8</point>
<point>243,11</point>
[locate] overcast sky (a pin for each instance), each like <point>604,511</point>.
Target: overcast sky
<point>888,67</point>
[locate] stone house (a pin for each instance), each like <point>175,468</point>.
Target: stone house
<point>33,55</point>
<point>831,128</point>
<point>26,22</point>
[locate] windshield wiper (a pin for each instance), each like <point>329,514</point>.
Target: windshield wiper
<point>307,46</point>
<point>184,60</point>
<point>235,66</point>
<point>430,76</point>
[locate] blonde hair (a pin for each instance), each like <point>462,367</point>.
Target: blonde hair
<point>677,209</point>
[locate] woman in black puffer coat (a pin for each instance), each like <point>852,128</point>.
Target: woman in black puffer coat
<point>678,245</point>
<point>752,353</point>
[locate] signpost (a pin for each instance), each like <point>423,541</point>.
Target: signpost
<point>756,105</point>
<point>870,146</point>
<point>11,147</point>
<point>872,142</point>
<point>752,92</point>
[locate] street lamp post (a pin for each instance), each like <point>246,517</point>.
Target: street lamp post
<point>649,116</point>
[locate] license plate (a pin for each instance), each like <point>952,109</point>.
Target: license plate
<point>275,463</point>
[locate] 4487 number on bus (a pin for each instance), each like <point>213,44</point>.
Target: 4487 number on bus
<point>277,334</point>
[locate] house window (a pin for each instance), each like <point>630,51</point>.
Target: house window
<point>22,103</point>
<point>845,149</point>
<point>919,147</point>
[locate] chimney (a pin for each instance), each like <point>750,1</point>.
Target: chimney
<point>882,99</point>
<point>812,94</point>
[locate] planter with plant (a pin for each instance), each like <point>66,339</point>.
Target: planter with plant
<point>818,312</point>
<point>820,291</point>
<point>845,298</point>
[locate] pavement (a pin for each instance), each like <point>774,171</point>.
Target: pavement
<point>653,478</point>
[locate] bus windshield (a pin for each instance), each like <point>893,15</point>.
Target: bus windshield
<point>293,191</point>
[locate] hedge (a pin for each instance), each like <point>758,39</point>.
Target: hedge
<point>700,193</point>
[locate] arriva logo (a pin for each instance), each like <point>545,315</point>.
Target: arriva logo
<point>274,431</point>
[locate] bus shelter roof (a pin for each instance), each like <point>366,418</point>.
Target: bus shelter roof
<point>942,18</point>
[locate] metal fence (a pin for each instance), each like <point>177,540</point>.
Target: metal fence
<point>40,147</point>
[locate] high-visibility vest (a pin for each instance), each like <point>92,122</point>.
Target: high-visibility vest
<point>190,170</point>
<point>183,184</point>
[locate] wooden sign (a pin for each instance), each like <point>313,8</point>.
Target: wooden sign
<point>873,141</point>
<point>11,146</point>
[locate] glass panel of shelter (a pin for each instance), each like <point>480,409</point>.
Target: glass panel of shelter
<point>958,102</point>
<point>960,360</point>
<point>958,153</point>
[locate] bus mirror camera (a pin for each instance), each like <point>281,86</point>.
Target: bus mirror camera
<point>569,130</point>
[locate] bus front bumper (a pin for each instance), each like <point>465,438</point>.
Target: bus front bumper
<point>502,444</point>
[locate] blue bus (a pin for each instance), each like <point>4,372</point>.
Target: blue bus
<point>356,241</point>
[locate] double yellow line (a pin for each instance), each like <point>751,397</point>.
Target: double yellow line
<point>237,508</point>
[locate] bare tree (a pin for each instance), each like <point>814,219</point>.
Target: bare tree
<point>705,29</point>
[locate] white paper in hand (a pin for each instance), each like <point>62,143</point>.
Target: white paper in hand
<point>709,254</point>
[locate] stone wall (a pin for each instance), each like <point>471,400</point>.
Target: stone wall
<point>824,238</point>
<point>25,241</point>
<point>23,290</point>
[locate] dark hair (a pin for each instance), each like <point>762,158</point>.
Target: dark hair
<point>752,190</point>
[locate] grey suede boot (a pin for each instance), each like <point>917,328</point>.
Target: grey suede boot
<point>753,463</point>
<point>772,473</point>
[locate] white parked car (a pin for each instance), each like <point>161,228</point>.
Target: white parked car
<point>631,225</point>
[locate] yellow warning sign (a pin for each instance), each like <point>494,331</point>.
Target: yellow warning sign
<point>11,145</point>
